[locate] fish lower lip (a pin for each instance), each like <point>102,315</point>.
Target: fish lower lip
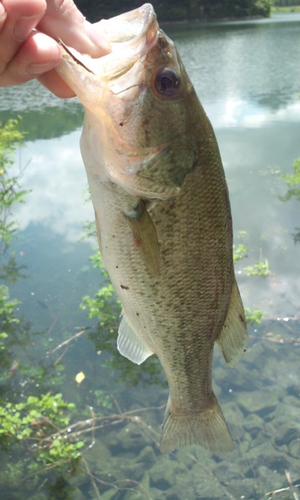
<point>74,57</point>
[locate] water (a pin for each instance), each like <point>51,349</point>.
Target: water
<point>247,76</point>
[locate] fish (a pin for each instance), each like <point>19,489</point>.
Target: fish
<point>163,218</point>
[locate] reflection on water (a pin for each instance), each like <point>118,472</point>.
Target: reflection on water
<point>57,181</point>
<point>247,76</point>
<point>33,102</point>
<point>245,61</point>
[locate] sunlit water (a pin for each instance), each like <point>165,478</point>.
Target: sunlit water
<point>247,76</point>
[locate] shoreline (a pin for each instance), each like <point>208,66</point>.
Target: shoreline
<point>216,20</point>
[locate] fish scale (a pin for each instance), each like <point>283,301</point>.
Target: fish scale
<point>163,219</point>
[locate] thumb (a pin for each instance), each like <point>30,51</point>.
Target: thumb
<point>63,20</point>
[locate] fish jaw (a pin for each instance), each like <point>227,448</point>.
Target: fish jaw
<point>127,113</point>
<point>130,34</point>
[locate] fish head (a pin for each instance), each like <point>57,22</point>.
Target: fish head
<point>137,100</point>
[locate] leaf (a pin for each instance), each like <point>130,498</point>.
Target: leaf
<point>80,377</point>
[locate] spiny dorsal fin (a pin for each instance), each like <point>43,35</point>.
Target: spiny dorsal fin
<point>233,339</point>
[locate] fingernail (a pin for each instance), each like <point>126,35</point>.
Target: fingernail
<point>3,14</point>
<point>39,69</point>
<point>24,26</point>
<point>97,38</point>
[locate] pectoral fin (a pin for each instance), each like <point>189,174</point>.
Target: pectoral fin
<point>130,345</point>
<point>233,339</point>
<point>145,240</point>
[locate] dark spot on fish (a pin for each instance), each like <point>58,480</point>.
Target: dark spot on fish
<point>124,287</point>
<point>121,124</point>
<point>117,267</point>
<point>113,235</point>
<point>241,318</point>
<point>245,350</point>
<point>136,242</point>
<point>137,314</point>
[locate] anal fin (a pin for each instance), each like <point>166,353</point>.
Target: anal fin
<point>233,339</point>
<point>130,345</point>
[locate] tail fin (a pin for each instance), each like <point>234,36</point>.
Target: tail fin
<point>207,428</point>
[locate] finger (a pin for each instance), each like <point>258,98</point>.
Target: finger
<point>63,20</point>
<point>3,16</point>
<point>52,81</point>
<point>37,55</point>
<point>21,18</point>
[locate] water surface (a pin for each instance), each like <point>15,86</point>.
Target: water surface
<point>247,76</point>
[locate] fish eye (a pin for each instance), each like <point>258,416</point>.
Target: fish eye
<point>167,82</point>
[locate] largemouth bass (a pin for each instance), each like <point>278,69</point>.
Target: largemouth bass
<point>163,218</point>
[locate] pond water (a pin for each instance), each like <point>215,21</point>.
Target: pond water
<point>247,75</point>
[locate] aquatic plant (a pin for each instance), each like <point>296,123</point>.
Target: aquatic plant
<point>239,252</point>
<point>104,305</point>
<point>25,426</point>
<point>253,317</point>
<point>261,268</point>
<point>293,182</point>
<point>10,191</point>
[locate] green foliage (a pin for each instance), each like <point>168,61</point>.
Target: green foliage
<point>10,193</point>
<point>61,450</point>
<point>7,314</point>
<point>253,317</point>
<point>293,182</point>
<point>175,10</point>
<point>34,424</point>
<point>98,306</point>
<point>286,6</point>
<point>37,414</point>
<point>239,252</point>
<point>3,336</point>
<point>261,269</point>
<point>261,8</point>
<point>34,421</point>
<point>102,400</point>
<point>7,306</point>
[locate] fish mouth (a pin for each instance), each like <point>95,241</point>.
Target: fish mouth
<point>131,35</point>
<point>128,27</point>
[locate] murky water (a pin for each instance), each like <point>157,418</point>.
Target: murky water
<point>247,76</point>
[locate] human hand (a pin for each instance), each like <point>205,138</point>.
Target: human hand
<point>28,29</point>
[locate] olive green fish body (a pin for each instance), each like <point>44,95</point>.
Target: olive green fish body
<point>164,225</point>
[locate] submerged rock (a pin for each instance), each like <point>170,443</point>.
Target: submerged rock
<point>261,402</point>
<point>147,456</point>
<point>129,438</point>
<point>162,474</point>
<point>294,448</point>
